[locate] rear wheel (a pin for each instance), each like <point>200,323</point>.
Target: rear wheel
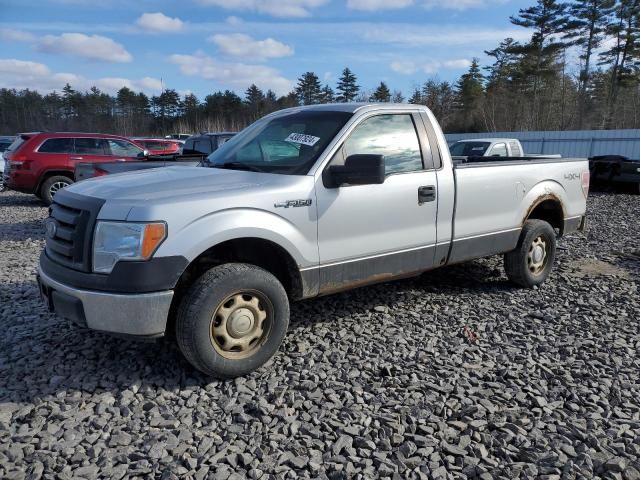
<point>232,320</point>
<point>532,261</point>
<point>50,187</point>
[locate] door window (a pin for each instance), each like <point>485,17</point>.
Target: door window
<point>499,150</point>
<point>202,146</point>
<point>57,145</point>
<point>393,136</point>
<point>90,146</point>
<point>120,148</point>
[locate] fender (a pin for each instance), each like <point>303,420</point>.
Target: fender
<point>543,191</point>
<point>210,230</point>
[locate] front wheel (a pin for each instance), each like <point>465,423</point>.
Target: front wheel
<point>531,262</point>
<point>232,320</point>
<point>51,186</point>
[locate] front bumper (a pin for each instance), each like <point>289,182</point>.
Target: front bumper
<point>143,315</point>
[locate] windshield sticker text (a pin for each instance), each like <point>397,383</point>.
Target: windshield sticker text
<point>302,139</point>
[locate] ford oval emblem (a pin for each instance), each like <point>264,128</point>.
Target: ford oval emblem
<point>51,227</point>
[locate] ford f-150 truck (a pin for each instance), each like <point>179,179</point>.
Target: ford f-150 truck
<point>305,202</point>
<point>488,148</point>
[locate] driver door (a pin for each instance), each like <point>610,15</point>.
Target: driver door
<point>372,233</point>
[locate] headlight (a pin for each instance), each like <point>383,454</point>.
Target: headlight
<point>115,241</point>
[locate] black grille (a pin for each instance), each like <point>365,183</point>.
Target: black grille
<point>69,239</point>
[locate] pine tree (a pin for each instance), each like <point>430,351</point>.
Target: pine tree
<point>397,97</point>
<point>586,24</point>
<point>255,100</point>
<point>470,86</point>
<point>381,94</point>
<point>622,58</point>
<point>469,95</point>
<point>416,97</point>
<point>347,87</point>
<point>308,89</point>
<point>253,97</point>
<point>326,95</point>
<point>546,19</point>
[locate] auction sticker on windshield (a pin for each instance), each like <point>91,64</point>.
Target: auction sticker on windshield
<point>302,139</point>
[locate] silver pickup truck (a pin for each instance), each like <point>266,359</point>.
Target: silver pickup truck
<point>305,202</point>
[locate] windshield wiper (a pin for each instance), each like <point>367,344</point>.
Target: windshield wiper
<point>237,166</point>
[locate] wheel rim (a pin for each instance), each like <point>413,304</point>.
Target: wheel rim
<point>537,256</point>
<point>241,324</point>
<point>57,186</point>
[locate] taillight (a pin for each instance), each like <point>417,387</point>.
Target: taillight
<point>586,178</point>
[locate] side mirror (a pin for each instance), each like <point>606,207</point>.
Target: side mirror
<point>145,153</point>
<point>358,170</point>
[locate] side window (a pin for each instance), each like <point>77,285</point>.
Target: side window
<point>90,146</point>
<point>57,145</point>
<point>499,150</point>
<point>393,136</point>
<point>203,146</point>
<point>120,148</point>
<point>188,146</point>
<point>222,141</point>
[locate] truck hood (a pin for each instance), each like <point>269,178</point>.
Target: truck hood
<point>172,183</point>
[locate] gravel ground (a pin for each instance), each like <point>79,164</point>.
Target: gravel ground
<point>452,375</point>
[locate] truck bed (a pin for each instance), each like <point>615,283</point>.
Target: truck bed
<point>492,213</point>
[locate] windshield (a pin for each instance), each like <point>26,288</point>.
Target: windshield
<point>469,149</point>
<point>288,144</point>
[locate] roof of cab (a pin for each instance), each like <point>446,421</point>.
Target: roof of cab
<point>488,140</point>
<point>352,107</point>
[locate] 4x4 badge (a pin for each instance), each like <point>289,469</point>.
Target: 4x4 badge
<point>294,203</point>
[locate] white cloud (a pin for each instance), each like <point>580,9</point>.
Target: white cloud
<point>241,45</point>
<point>159,22</point>
<point>21,74</point>
<point>275,8</point>
<point>12,35</point>
<point>94,47</point>
<point>235,75</point>
<point>373,5</point>
<point>409,67</point>
<point>233,21</point>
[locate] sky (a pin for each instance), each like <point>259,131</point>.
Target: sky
<point>202,46</point>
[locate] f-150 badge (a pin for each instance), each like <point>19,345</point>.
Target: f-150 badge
<point>294,203</point>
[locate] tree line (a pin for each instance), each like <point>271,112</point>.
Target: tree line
<point>580,69</point>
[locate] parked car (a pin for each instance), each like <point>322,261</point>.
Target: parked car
<point>205,143</point>
<point>157,146</point>
<point>615,170</point>
<point>178,136</point>
<point>43,163</point>
<point>306,202</point>
<point>5,142</point>
<point>463,150</point>
<point>84,171</point>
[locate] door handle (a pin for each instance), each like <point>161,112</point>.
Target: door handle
<point>76,158</point>
<point>426,194</point>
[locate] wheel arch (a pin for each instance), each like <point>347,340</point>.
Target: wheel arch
<point>546,202</point>
<point>47,174</point>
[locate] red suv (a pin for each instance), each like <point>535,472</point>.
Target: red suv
<point>43,163</point>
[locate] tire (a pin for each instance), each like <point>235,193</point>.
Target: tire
<point>530,264</point>
<point>232,320</point>
<point>51,185</point>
